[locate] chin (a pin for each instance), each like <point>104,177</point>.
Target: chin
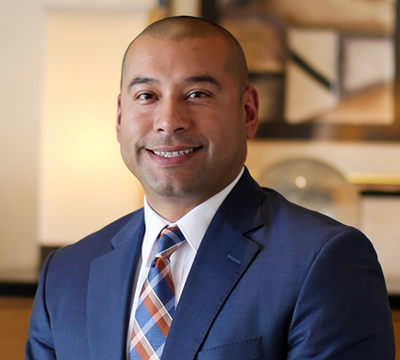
<point>173,189</point>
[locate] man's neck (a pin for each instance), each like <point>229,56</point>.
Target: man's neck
<point>171,209</point>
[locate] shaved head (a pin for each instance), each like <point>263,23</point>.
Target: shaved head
<point>185,27</point>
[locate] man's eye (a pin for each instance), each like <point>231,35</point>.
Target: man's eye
<point>198,94</point>
<point>145,96</point>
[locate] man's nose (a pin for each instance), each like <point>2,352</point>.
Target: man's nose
<point>171,117</point>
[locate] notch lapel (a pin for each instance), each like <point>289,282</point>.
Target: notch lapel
<point>223,257</point>
<point>110,291</point>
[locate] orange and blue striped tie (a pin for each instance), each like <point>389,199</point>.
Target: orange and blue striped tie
<point>156,305</point>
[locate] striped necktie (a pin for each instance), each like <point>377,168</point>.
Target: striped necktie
<point>156,305</point>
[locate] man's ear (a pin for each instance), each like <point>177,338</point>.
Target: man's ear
<point>119,119</point>
<point>251,105</point>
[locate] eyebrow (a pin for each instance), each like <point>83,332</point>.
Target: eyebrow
<point>192,80</point>
<point>141,80</point>
<point>204,79</point>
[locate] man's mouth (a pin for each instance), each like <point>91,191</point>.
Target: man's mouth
<point>170,154</point>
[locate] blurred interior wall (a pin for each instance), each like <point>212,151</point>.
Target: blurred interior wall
<point>23,40</point>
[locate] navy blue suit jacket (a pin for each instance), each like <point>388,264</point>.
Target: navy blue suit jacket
<point>271,280</point>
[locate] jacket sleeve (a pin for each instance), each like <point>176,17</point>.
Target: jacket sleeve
<point>342,312</point>
<point>39,345</point>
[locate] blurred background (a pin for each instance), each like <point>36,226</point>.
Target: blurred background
<point>329,136</point>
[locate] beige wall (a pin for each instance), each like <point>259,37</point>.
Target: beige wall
<point>83,182</point>
<point>22,39</point>
<point>23,43</point>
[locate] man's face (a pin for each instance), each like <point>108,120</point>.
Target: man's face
<point>181,124</point>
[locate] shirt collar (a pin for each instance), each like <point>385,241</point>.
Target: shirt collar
<point>194,224</point>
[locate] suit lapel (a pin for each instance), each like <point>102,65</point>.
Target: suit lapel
<point>223,257</point>
<point>109,293</point>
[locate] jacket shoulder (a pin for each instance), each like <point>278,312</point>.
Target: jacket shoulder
<point>294,217</point>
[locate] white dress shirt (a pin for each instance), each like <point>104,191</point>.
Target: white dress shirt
<point>193,225</point>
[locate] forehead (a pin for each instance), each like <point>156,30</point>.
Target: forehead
<point>169,57</point>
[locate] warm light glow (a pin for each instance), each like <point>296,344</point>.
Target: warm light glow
<point>83,182</point>
<point>301,182</point>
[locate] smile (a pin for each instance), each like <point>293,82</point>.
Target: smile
<point>170,154</point>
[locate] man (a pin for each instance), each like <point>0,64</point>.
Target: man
<point>254,276</point>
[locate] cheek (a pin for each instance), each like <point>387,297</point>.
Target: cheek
<point>229,129</point>
<point>134,127</point>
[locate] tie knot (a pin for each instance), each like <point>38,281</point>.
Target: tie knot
<point>170,239</point>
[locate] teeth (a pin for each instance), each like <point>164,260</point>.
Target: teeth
<point>173,153</point>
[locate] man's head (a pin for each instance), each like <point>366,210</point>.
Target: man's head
<point>184,112</point>
<point>185,27</point>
